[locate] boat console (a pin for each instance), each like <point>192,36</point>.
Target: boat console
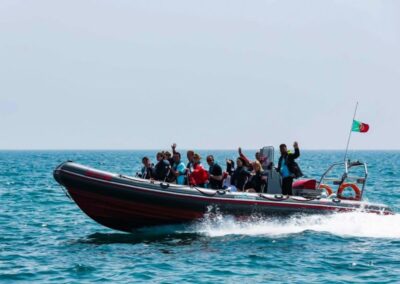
<point>335,180</point>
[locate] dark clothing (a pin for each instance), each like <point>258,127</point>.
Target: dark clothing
<point>258,182</point>
<point>161,170</point>
<point>287,186</point>
<point>215,170</point>
<point>171,177</point>
<point>240,177</point>
<point>294,170</point>
<point>293,167</point>
<point>230,167</point>
<point>147,172</point>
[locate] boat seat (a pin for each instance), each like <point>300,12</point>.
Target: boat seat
<point>274,182</point>
<point>305,184</point>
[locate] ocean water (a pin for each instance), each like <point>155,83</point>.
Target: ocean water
<point>45,238</point>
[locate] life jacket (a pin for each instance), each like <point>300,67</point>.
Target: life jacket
<point>198,176</point>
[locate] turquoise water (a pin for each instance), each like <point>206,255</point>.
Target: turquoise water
<point>45,238</point>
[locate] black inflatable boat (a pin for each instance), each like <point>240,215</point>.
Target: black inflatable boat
<point>126,203</point>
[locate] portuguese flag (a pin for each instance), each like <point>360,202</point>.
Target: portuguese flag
<point>359,127</point>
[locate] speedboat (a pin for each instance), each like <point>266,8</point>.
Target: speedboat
<point>126,203</point>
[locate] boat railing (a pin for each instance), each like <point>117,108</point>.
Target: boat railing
<point>346,177</point>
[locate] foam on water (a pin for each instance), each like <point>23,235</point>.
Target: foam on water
<point>341,224</point>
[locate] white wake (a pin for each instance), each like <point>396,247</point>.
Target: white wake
<point>340,224</point>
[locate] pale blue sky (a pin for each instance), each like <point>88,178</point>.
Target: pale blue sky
<point>205,74</point>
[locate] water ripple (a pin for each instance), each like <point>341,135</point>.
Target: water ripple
<point>45,238</point>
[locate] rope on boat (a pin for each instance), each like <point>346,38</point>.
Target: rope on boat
<point>219,192</point>
<point>134,179</point>
<point>205,193</point>
<point>276,197</point>
<point>165,185</point>
<point>306,199</point>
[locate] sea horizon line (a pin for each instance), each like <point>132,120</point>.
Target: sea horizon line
<point>183,149</point>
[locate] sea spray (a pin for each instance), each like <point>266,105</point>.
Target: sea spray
<point>355,224</point>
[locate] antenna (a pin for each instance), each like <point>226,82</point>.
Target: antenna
<point>351,130</point>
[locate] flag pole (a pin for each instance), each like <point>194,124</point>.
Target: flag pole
<point>351,130</point>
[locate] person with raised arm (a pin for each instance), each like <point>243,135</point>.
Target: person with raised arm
<point>189,155</point>
<point>247,162</point>
<point>178,169</point>
<point>288,168</point>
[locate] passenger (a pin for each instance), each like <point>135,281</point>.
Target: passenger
<point>226,179</point>
<point>173,147</point>
<point>258,157</point>
<point>178,169</point>
<point>168,156</point>
<point>147,171</point>
<point>258,181</point>
<point>162,168</point>
<point>215,173</point>
<point>189,166</point>
<point>190,157</point>
<point>230,166</point>
<point>288,168</point>
<point>199,176</point>
<point>247,162</point>
<point>240,176</point>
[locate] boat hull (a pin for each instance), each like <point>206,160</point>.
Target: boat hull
<point>125,203</point>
